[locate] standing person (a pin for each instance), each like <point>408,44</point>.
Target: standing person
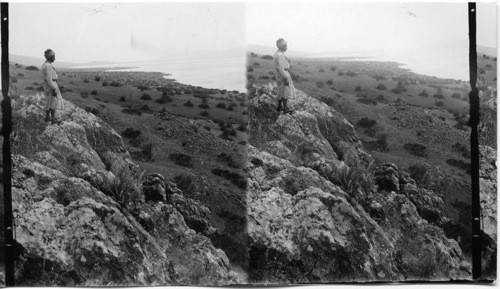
<point>285,85</point>
<point>53,98</point>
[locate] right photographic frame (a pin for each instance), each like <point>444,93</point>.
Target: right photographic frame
<point>359,142</point>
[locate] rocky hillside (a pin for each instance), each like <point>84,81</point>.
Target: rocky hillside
<point>321,211</point>
<point>85,215</point>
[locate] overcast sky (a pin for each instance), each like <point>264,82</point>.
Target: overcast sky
<point>124,31</point>
<point>145,31</point>
<point>367,26</point>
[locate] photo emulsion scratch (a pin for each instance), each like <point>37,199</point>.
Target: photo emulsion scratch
<point>252,143</point>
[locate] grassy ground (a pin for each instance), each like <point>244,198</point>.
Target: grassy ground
<point>402,113</point>
<point>207,138</point>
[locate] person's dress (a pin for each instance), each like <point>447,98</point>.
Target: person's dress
<point>282,64</point>
<point>49,76</point>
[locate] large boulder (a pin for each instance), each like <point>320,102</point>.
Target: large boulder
<point>81,218</point>
<point>305,228</point>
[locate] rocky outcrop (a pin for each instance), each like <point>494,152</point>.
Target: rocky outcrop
<point>488,196</point>
<point>84,217</point>
<point>310,219</point>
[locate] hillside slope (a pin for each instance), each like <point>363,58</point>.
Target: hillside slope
<point>320,211</point>
<point>85,215</point>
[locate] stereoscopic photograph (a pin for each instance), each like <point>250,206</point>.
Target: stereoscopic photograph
<point>215,144</point>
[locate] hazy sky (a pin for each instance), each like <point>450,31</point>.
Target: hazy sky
<point>367,26</point>
<point>124,31</point>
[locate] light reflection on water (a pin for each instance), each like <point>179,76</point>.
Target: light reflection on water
<point>221,73</point>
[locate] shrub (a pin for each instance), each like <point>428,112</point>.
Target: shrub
<point>40,88</point>
<point>256,64</point>
<point>321,70</point>
<point>228,159</point>
<point>115,84</point>
<point>164,99</point>
<point>122,99</point>
<point>97,78</point>
<point>268,57</point>
<point>333,68</point>
<point>320,84</point>
<point>235,178</point>
<point>92,110</point>
<point>94,92</point>
<point>132,111</point>
<point>366,122</point>
<point>181,159</point>
<point>203,106</point>
<point>85,81</point>
<point>416,149</point>
<point>14,80</point>
<point>341,73</point>
<point>146,97</point>
<point>367,101</point>
<point>482,71</point>
<point>20,75</point>
<point>456,95</point>
<point>329,82</point>
<point>381,86</point>
<point>143,87</point>
<point>131,133</point>
<point>420,173</point>
<point>188,103</point>
<point>439,103</point>
<point>29,88</point>
<point>84,94</point>
<point>31,67</point>
<point>358,88</point>
<point>185,183</point>
<point>250,69</point>
<point>204,113</point>
<point>423,93</point>
<point>459,164</point>
<point>145,107</point>
<point>105,83</point>
<point>221,105</point>
<point>123,190</point>
<point>350,73</point>
<point>438,96</point>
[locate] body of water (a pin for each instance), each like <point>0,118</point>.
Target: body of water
<point>451,62</point>
<point>220,73</point>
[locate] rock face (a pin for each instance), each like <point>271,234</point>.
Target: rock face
<point>488,195</point>
<point>83,216</point>
<point>319,212</point>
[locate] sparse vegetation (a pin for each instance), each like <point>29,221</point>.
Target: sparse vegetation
<point>416,149</point>
<point>181,159</point>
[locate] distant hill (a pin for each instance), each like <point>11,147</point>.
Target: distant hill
<point>490,51</point>
<point>35,61</point>
<point>263,50</point>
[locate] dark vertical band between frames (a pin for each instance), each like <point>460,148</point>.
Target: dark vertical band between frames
<point>7,162</point>
<point>474,147</point>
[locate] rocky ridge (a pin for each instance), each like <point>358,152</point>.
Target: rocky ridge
<point>320,211</point>
<point>84,214</point>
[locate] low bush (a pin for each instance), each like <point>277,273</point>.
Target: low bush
<point>84,94</point>
<point>203,106</point>
<point>181,159</point>
<point>421,174</point>
<point>439,103</point>
<point>131,133</point>
<point>456,95</point>
<point>358,88</point>
<point>132,111</point>
<point>423,93</point>
<point>204,113</point>
<point>122,99</point>
<point>92,110</point>
<point>164,99</point>
<point>416,149</point>
<point>381,86</point>
<point>235,178</point>
<point>265,77</point>
<point>268,57</point>
<point>146,96</point>
<point>438,96</point>
<point>333,68</point>
<point>329,82</point>
<point>94,92</point>
<point>86,81</point>
<point>105,83</point>
<point>97,78</point>
<point>367,101</point>
<point>366,122</point>
<point>29,88</point>
<point>228,160</point>
<point>185,183</point>
<point>320,84</point>
<point>31,67</point>
<point>459,164</point>
<point>188,103</point>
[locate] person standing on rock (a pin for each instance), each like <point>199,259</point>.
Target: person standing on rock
<point>53,98</point>
<point>284,79</point>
